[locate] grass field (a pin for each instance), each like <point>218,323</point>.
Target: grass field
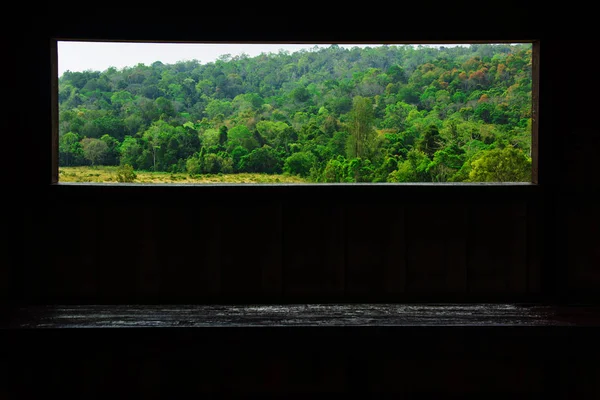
<point>108,174</point>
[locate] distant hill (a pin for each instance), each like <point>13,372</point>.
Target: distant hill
<point>380,114</point>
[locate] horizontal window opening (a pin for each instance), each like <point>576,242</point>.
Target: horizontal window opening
<point>311,113</point>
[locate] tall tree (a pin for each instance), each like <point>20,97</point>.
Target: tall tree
<point>361,141</point>
<point>94,150</point>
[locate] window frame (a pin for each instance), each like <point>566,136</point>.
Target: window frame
<point>535,174</point>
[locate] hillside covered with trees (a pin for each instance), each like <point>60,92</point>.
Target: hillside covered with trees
<point>396,113</point>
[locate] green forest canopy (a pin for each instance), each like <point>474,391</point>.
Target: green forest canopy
<point>391,113</point>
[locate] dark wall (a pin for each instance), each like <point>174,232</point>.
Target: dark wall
<point>301,244</point>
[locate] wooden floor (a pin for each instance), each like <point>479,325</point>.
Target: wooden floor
<point>295,351</point>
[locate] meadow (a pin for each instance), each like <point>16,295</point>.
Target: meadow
<point>108,174</point>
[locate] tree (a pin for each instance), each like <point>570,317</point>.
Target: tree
<point>70,150</point>
<point>278,134</point>
<point>155,137</point>
<point>397,74</point>
<point>431,141</point>
<point>300,94</point>
<point>264,159</point>
<point>501,165</point>
<point>334,170</point>
<point>112,154</point>
<point>446,162</point>
<point>413,169</point>
<point>380,109</point>
<point>165,106</point>
<point>361,141</point>
<point>94,150</point>
<point>237,154</point>
<point>222,135</point>
<point>299,163</point>
<point>240,135</point>
<point>130,151</point>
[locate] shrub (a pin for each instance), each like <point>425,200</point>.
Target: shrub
<point>125,173</point>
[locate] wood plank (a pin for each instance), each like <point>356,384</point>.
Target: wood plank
<point>535,97</point>
<point>251,250</point>
<point>316,315</point>
<point>497,249</point>
<point>313,250</point>
<point>375,251</point>
<point>75,235</point>
<point>148,267</point>
<point>188,252</point>
<point>582,240</point>
<point>54,111</point>
<point>129,267</point>
<point>535,240</point>
<point>32,277</point>
<point>436,248</point>
<point>455,377</point>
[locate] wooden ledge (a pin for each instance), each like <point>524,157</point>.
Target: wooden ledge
<point>311,315</point>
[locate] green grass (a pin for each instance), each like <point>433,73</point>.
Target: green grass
<point>108,174</point>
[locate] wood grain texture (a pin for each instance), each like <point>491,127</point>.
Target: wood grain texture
<point>53,50</point>
<point>299,315</point>
<point>250,248</point>
<point>189,252</point>
<point>314,250</point>
<point>536,240</point>
<point>497,248</point>
<point>436,247</point>
<point>375,250</point>
<point>582,244</point>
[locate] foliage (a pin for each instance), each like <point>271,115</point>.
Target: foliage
<point>299,163</point>
<point>383,114</point>
<point>501,165</point>
<point>94,150</point>
<point>125,173</point>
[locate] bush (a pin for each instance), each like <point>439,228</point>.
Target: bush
<point>125,173</point>
<point>299,163</point>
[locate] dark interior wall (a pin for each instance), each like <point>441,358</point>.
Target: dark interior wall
<point>148,244</point>
<point>283,244</point>
<point>567,114</point>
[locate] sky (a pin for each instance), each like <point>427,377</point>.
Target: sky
<point>98,56</point>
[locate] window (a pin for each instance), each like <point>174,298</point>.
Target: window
<point>296,113</point>
<point>187,243</point>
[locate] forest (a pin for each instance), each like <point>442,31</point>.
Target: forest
<point>391,113</point>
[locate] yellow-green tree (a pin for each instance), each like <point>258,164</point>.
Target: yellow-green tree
<point>501,165</point>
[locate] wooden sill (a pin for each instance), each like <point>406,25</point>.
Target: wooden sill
<point>301,315</point>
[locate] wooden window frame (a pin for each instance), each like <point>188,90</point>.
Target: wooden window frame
<point>287,196</point>
<point>54,175</point>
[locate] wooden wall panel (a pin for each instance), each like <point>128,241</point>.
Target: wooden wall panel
<point>127,246</point>
<point>581,240</point>
<point>375,250</point>
<point>188,253</point>
<point>23,271</point>
<point>456,377</point>
<point>250,248</point>
<point>497,248</point>
<point>436,248</point>
<point>535,245</point>
<point>314,250</point>
<point>76,235</point>
<point>287,251</point>
<point>147,264</point>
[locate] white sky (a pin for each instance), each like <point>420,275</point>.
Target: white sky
<point>99,56</point>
